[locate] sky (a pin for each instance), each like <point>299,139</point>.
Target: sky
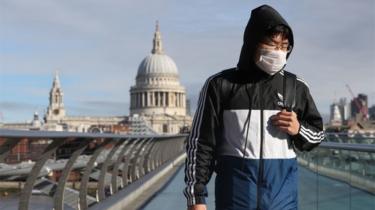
<point>97,46</point>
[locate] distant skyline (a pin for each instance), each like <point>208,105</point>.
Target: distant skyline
<point>97,46</point>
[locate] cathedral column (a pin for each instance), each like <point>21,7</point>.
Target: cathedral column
<point>167,98</point>
<point>142,100</point>
<point>183,100</point>
<point>149,98</point>
<point>179,99</point>
<point>135,100</point>
<point>138,100</point>
<point>176,99</point>
<point>161,99</point>
<point>153,98</point>
<point>171,102</point>
<point>156,98</point>
<point>146,99</point>
<point>164,99</point>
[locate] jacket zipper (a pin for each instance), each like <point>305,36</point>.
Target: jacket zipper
<point>260,172</point>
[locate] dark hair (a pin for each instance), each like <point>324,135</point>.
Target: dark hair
<point>279,29</point>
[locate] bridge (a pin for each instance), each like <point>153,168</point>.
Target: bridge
<point>112,170</point>
<point>339,174</point>
<point>65,170</point>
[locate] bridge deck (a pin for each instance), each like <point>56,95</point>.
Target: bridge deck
<point>332,194</point>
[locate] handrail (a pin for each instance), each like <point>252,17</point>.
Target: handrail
<point>351,163</point>
<point>129,157</point>
<point>349,146</point>
<point>9,133</point>
<point>352,134</point>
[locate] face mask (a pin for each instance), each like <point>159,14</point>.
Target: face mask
<point>271,61</point>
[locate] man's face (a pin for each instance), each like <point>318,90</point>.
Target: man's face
<point>276,42</point>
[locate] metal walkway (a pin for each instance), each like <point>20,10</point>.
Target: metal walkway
<point>333,194</point>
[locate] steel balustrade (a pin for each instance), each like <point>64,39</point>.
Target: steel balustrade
<point>122,159</point>
<point>349,160</point>
<point>59,195</point>
<point>114,183</point>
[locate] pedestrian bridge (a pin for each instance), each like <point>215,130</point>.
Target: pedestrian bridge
<point>339,174</point>
<point>65,170</point>
<point>107,171</point>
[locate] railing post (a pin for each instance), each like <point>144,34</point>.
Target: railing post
<point>134,160</point>
<point>58,197</point>
<point>114,185</point>
<point>86,176</point>
<point>126,165</point>
<point>155,153</point>
<point>147,161</point>
<point>27,190</point>
<point>139,162</point>
<point>103,170</point>
<point>134,157</point>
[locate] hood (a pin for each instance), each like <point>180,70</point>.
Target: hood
<point>262,19</point>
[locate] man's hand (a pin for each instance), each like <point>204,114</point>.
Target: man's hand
<point>286,122</point>
<point>197,207</point>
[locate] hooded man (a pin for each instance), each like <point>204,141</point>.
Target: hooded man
<point>247,126</point>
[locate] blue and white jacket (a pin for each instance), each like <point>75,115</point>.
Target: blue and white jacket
<point>242,98</point>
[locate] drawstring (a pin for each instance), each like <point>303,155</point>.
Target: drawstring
<point>247,124</point>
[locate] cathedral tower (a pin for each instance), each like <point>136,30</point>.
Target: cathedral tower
<point>55,110</point>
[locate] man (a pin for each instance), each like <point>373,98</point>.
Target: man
<point>244,130</point>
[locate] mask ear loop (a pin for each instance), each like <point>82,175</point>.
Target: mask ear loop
<point>247,124</point>
<point>290,48</point>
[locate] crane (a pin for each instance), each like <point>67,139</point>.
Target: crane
<point>362,109</point>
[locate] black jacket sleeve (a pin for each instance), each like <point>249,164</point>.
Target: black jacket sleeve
<point>311,132</point>
<point>200,147</point>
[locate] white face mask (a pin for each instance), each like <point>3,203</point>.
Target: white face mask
<point>271,61</point>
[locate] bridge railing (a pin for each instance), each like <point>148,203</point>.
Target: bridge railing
<point>349,159</point>
<point>78,170</point>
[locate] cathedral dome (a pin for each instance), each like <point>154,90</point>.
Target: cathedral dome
<point>157,64</point>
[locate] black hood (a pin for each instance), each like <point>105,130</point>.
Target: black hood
<point>262,19</point>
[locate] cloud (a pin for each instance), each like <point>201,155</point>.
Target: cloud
<point>99,108</point>
<point>12,111</point>
<point>14,106</point>
<point>98,45</point>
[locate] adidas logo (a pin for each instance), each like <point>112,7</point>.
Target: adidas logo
<point>280,102</point>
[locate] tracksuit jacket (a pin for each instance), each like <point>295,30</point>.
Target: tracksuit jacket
<point>232,133</point>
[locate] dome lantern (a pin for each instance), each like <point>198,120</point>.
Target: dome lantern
<point>157,43</point>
